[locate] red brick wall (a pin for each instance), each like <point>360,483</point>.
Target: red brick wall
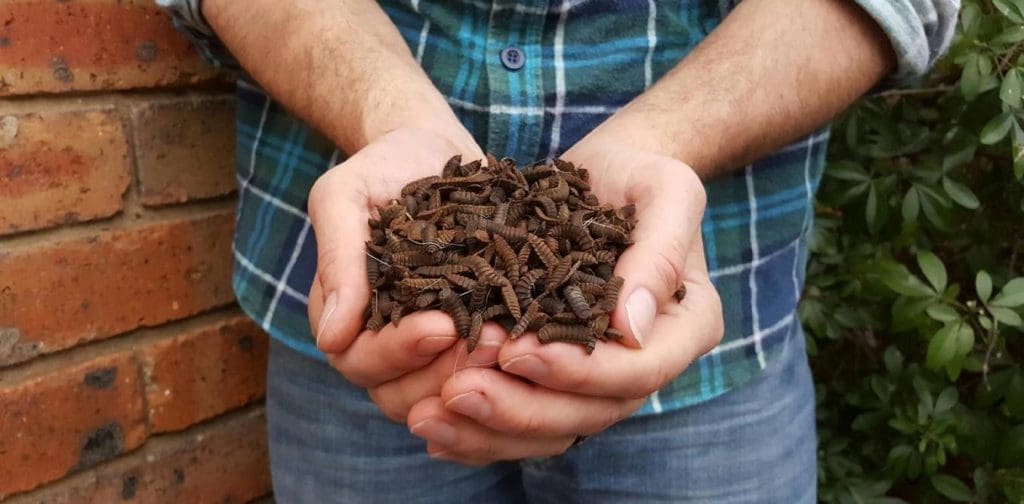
<point>127,373</point>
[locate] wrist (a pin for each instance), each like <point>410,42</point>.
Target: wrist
<point>425,111</point>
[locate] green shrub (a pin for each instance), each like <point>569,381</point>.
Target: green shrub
<point>915,290</point>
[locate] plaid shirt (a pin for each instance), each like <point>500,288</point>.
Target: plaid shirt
<point>581,61</point>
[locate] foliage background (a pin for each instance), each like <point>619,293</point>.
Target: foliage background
<point>915,289</point>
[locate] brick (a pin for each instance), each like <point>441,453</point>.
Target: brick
<point>75,45</point>
<point>69,419</point>
<point>61,167</point>
<point>185,149</point>
<point>205,372</point>
<point>55,295</point>
<point>222,462</point>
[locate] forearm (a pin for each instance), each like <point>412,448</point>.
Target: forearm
<point>774,70</point>
<point>342,66</point>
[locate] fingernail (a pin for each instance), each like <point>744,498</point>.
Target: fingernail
<point>485,354</point>
<point>329,305</point>
<point>527,366</point>
<point>434,430</point>
<point>432,345</point>
<point>472,404</point>
<point>640,311</point>
<point>441,455</point>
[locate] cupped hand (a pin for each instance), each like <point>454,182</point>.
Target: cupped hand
<point>544,396</point>
<point>340,203</point>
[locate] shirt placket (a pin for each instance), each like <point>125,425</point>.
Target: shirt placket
<point>514,69</point>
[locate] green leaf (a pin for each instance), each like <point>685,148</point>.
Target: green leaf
<point>942,348</point>
<point>933,269</point>
<point>893,360</point>
<point>1005,315</point>
<point>847,170</point>
<point>997,128</point>
<point>911,205</point>
<point>964,339</point>
<point>951,488</point>
<point>1018,151</point>
<point>946,400</point>
<point>942,312</point>
<point>898,278</point>
<point>960,193</point>
<point>971,78</point>
<point>1012,294</point>
<point>1010,90</point>
<point>983,286</point>
<point>1010,35</point>
<point>1010,10</point>
<point>871,209</point>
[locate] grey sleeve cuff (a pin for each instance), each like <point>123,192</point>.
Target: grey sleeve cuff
<point>919,30</point>
<point>188,19</point>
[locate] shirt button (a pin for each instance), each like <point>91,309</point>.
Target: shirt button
<point>513,58</point>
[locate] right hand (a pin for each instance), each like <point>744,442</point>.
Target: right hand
<point>340,204</point>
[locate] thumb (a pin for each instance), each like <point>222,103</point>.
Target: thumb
<point>339,226</point>
<point>654,267</point>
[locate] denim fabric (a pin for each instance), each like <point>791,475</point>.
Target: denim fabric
<point>330,443</point>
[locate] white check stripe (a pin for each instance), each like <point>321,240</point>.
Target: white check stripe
<point>754,253</point>
<point>244,182</point>
<point>757,336</point>
<point>652,40</point>
<point>282,283</point>
<point>272,200</point>
<point>266,277</point>
<point>556,125</point>
<point>804,229</point>
<point>655,402</point>
<point>423,39</point>
<point>740,268</point>
<point>533,111</point>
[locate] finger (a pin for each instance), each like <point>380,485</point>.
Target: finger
<point>681,333</point>
<point>510,405</point>
<point>453,436</point>
<point>376,357</point>
<point>338,214</point>
<point>315,306</point>
<point>397,396</point>
<point>670,204</point>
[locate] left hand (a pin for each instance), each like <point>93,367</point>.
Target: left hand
<point>546,395</point>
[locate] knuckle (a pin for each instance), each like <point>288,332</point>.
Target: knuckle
<point>668,265</point>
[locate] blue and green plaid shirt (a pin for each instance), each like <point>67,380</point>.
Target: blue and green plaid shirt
<point>580,62</point>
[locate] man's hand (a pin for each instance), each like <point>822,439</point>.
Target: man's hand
<point>339,205</point>
<point>546,395</point>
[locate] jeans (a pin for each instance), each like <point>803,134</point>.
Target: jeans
<point>757,443</point>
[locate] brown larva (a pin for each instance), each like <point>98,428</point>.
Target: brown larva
<point>476,322</point>
<point>577,302</point>
<point>611,293</point>
<point>454,307</point>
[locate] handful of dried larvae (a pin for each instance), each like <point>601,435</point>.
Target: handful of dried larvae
<point>531,249</point>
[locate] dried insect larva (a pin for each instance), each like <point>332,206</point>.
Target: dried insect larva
<point>528,281</point>
<point>560,273</point>
<point>592,289</point>
<point>557,193</point>
<point>476,178</point>
<point>468,197</point>
<point>411,258</point>
<point>436,271</point>
<point>417,185</point>
<point>543,250</point>
<point>585,258</point>
<point>524,322</point>
<point>524,254</point>
<point>551,305</point>
<point>563,332</point>
<point>577,302</point>
<point>375,322</point>
<point>681,293</point>
<point>484,272</point>
<point>506,231</point>
<point>476,323</point>
<point>451,167</point>
<point>599,324</point>
<point>461,281</point>
<point>426,299</point>
<point>613,334</point>
<point>396,314</point>
<point>494,311</point>
<point>423,283</point>
<point>611,293</point>
<point>508,294</point>
<point>372,270</point>
<point>508,257</point>
<point>454,307</point>
<point>604,270</point>
<point>500,212</point>
<point>584,277</point>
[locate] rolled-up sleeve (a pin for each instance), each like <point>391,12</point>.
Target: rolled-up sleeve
<point>188,19</point>
<point>919,30</point>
